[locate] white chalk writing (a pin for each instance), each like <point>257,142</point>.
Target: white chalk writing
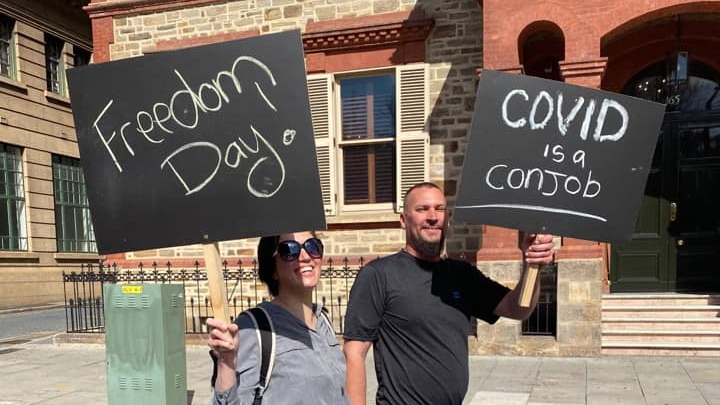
<point>587,119</point>
<point>499,176</point>
<point>184,110</point>
<point>543,99</point>
<point>536,208</point>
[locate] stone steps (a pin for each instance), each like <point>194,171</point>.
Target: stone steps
<point>659,349</point>
<point>661,324</point>
<point>663,311</point>
<point>661,336</point>
<point>668,299</point>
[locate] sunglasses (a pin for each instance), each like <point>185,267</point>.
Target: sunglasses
<point>289,250</point>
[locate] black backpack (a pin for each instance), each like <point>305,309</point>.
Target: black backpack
<point>266,340</point>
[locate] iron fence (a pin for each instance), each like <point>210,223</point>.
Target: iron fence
<point>84,310</point>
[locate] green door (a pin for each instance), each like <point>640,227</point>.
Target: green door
<point>696,232</point>
<point>647,263</point>
<point>676,242</point>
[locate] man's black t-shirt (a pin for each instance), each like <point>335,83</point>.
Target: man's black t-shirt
<point>417,314</point>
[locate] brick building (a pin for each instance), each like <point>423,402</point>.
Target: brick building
<point>432,51</point>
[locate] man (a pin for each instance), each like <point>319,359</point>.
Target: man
<point>415,308</point>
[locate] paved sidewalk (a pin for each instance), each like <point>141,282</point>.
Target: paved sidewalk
<point>40,372</point>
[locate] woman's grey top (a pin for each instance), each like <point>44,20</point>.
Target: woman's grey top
<point>309,364</point>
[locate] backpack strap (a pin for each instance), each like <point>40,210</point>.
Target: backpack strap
<point>266,342</point>
<point>326,317</point>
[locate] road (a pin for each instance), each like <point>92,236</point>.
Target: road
<point>31,324</point>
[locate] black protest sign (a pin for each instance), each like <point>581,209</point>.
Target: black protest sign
<point>198,145</point>
<point>545,156</point>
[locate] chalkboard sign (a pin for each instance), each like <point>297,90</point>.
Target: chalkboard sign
<point>198,145</point>
<point>550,157</point>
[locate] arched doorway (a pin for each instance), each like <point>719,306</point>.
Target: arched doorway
<point>676,242</point>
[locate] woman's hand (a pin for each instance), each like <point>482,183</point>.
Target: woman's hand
<point>223,341</point>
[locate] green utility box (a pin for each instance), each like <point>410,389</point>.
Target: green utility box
<point>145,344</point>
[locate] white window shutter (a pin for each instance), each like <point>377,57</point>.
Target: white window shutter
<point>413,140</point>
<point>320,93</point>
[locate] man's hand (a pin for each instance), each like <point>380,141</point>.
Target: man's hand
<point>537,248</point>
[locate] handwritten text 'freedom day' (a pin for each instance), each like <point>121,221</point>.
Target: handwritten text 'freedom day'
<point>183,110</point>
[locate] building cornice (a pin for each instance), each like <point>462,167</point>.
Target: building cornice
<point>361,32</point>
<point>105,8</point>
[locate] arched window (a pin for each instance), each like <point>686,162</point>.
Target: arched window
<point>698,91</point>
<point>541,47</point>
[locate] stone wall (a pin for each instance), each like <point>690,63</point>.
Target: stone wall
<point>579,300</point>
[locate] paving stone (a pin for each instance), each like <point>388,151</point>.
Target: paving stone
<point>499,398</point>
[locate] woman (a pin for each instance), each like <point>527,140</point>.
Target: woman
<point>309,366</point>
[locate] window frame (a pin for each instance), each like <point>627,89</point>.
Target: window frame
<point>10,41</point>
<point>81,56</point>
<point>69,180</point>
<point>412,140</point>
<point>11,165</point>
<point>341,144</point>
<point>54,62</point>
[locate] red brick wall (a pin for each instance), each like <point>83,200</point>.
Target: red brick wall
<point>584,24</point>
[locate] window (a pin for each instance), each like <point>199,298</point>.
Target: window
<point>685,85</point>
<point>13,227</point>
<point>370,136</point>
<point>81,56</point>
<point>73,226</point>
<point>7,47</point>
<point>54,64</point>
<point>367,142</point>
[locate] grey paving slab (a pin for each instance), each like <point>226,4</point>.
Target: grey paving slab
<point>702,370</point>
<point>615,398</point>
<point>499,398</point>
<point>568,371</point>
<point>613,381</point>
<point>567,393</point>
<point>533,402</point>
<point>511,374</point>
<point>711,392</point>
<point>674,397</point>
<point>607,370</point>
<point>560,381</point>
<point>614,392</point>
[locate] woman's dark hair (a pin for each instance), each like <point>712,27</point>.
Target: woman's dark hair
<point>266,261</point>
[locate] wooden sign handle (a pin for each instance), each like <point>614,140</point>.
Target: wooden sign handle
<point>528,285</point>
<point>216,284</point>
